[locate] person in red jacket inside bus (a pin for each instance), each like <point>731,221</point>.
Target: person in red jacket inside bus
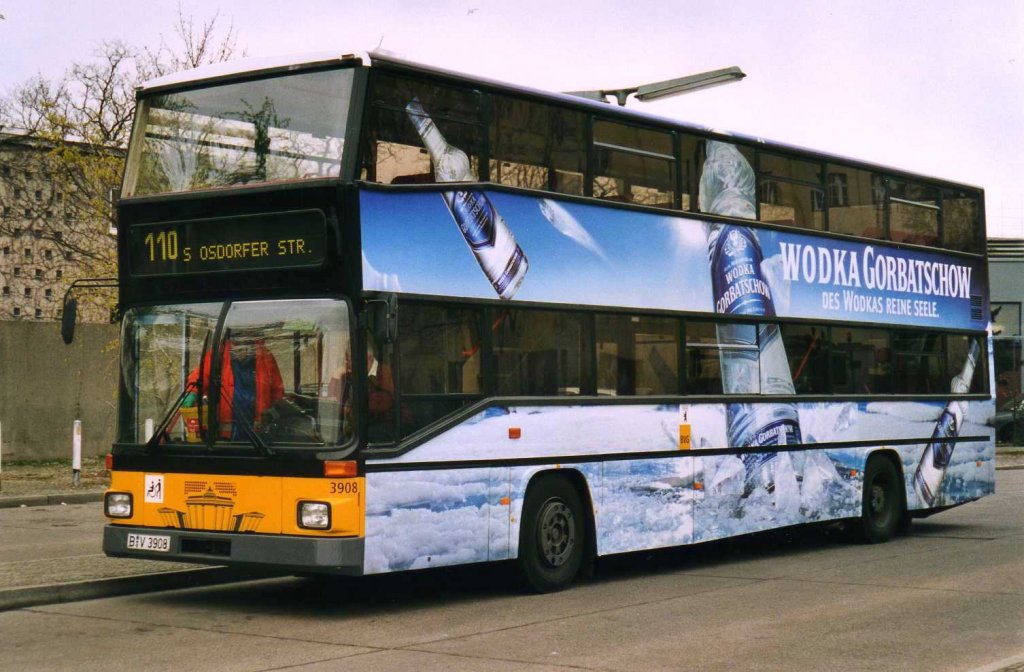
<point>380,395</point>
<point>250,383</point>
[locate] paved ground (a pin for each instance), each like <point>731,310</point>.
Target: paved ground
<point>948,597</point>
<point>51,546</point>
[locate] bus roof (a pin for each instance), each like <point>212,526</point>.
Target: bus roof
<point>286,63</point>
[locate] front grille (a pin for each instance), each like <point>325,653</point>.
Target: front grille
<point>220,548</point>
<point>977,312</point>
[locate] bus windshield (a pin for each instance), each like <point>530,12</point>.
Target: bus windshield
<point>281,128</point>
<point>278,382</point>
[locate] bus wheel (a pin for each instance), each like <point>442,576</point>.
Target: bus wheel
<point>882,508</point>
<point>552,535</point>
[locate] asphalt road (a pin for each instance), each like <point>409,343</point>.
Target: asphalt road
<point>948,597</point>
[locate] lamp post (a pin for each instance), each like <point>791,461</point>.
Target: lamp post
<point>669,87</point>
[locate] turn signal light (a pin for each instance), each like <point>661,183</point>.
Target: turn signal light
<point>338,469</point>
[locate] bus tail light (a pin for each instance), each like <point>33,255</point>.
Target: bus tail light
<point>339,469</point>
<point>108,461</point>
<point>314,515</point>
<point>118,504</point>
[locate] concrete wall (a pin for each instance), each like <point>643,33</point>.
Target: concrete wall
<point>1006,280</point>
<point>46,385</point>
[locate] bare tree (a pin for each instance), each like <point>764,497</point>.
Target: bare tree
<point>199,45</point>
<point>62,146</point>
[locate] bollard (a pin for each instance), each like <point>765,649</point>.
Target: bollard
<point>76,454</point>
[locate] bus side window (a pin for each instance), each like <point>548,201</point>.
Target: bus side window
<point>439,357</point>
<point>861,361</point>
<point>791,192</point>
<point>393,151</point>
<point>856,200</point>
<point>636,355</point>
<point>703,364</point>
<point>541,353</point>
<point>807,347</point>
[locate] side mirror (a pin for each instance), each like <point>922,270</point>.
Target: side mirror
<point>384,319</point>
<point>67,320</point>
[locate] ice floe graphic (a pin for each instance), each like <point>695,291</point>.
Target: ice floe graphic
<point>436,517</point>
<point>374,279</point>
<point>569,226</point>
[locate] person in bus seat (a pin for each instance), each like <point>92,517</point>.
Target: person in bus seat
<point>250,383</point>
<point>380,395</point>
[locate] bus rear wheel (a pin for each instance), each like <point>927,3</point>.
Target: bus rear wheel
<point>552,536</point>
<point>882,506</point>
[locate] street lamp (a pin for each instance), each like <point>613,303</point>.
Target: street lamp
<point>669,87</point>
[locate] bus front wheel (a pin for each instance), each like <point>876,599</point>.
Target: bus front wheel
<point>552,535</point>
<point>882,506</point>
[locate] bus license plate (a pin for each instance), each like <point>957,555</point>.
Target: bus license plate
<point>149,542</point>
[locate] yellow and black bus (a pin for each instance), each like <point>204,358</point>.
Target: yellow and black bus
<point>379,316</point>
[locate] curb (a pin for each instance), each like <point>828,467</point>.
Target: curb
<point>13,501</point>
<point>35,596</point>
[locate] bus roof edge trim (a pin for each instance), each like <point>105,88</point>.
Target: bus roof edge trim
<point>246,66</point>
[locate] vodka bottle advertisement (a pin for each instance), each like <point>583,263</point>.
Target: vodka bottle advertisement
<point>753,358</point>
<point>485,231</point>
<point>935,460</point>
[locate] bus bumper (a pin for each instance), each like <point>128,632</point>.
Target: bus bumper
<point>289,553</point>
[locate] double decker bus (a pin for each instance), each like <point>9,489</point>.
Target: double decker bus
<point>379,316</point>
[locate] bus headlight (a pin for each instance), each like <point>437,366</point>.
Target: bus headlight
<point>118,504</point>
<point>314,515</point>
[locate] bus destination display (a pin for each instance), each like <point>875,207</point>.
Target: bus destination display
<point>294,239</point>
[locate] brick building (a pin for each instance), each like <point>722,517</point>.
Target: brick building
<point>49,234</point>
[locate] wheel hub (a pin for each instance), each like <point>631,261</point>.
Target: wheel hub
<point>557,531</point>
<point>877,499</point>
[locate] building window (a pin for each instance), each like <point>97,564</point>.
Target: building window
<point>1006,319</point>
<point>877,190</point>
<point>60,274</point>
<point>838,190</point>
<point>5,171</point>
<point>39,194</point>
<point>57,235</point>
<point>7,291</point>
<point>28,253</point>
<point>39,313</point>
<point>28,213</point>
<point>7,250</point>
<point>17,232</point>
<point>48,293</point>
<point>17,193</point>
<point>16,312</point>
<point>39,273</point>
<point>67,256</point>
<point>7,211</point>
<point>48,254</point>
<point>17,271</point>
<point>28,291</point>
<point>38,233</point>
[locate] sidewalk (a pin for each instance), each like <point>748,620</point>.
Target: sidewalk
<point>51,550</point>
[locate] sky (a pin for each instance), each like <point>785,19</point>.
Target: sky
<point>929,86</point>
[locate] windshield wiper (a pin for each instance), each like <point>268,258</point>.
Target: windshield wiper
<point>154,441</point>
<point>255,439</point>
